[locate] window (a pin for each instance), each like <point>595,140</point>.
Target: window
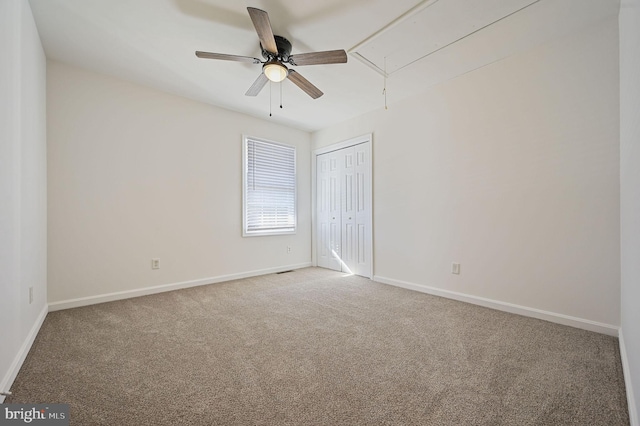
<point>269,188</point>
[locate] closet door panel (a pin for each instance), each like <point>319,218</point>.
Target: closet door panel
<point>326,189</point>
<point>349,199</point>
<point>362,213</point>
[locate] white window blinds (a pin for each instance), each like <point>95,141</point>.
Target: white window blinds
<point>269,188</point>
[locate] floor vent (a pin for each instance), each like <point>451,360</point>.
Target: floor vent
<point>285,272</point>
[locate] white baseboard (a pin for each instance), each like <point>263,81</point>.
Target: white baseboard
<point>631,401</point>
<point>109,297</point>
<point>584,324</point>
<point>8,379</point>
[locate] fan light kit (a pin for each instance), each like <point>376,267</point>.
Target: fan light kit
<point>276,51</point>
<point>275,71</point>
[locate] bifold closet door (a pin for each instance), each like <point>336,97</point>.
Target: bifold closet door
<point>343,210</point>
<point>355,226</point>
<point>328,211</point>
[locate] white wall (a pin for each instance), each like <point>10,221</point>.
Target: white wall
<point>23,196</point>
<point>136,174</point>
<point>511,170</point>
<point>630,196</point>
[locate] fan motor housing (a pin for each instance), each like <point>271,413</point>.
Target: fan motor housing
<point>284,49</point>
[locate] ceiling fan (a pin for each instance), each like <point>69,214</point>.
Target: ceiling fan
<point>276,51</point>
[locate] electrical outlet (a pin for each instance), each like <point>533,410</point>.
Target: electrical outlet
<point>155,263</point>
<point>455,268</point>
<point>289,249</point>
<point>30,295</point>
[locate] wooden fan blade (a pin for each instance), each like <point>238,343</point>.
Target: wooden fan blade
<point>318,58</point>
<point>209,55</point>
<point>304,84</point>
<point>257,85</point>
<point>261,21</point>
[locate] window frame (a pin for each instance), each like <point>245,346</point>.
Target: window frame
<point>245,169</point>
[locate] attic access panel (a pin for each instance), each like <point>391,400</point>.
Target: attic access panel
<point>428,27</point>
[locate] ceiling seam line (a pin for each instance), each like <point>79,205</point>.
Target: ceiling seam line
<point>464,37</point>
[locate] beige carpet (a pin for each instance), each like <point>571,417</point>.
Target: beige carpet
<point>314,347</point>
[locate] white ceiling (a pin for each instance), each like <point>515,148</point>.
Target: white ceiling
<point>152,42</point>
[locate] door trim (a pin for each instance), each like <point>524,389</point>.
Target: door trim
<point>367,138</point>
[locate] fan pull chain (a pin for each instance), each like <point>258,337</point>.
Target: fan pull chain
<point>270,85</point>
<point>384,90</point>
<point>281,95</point>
